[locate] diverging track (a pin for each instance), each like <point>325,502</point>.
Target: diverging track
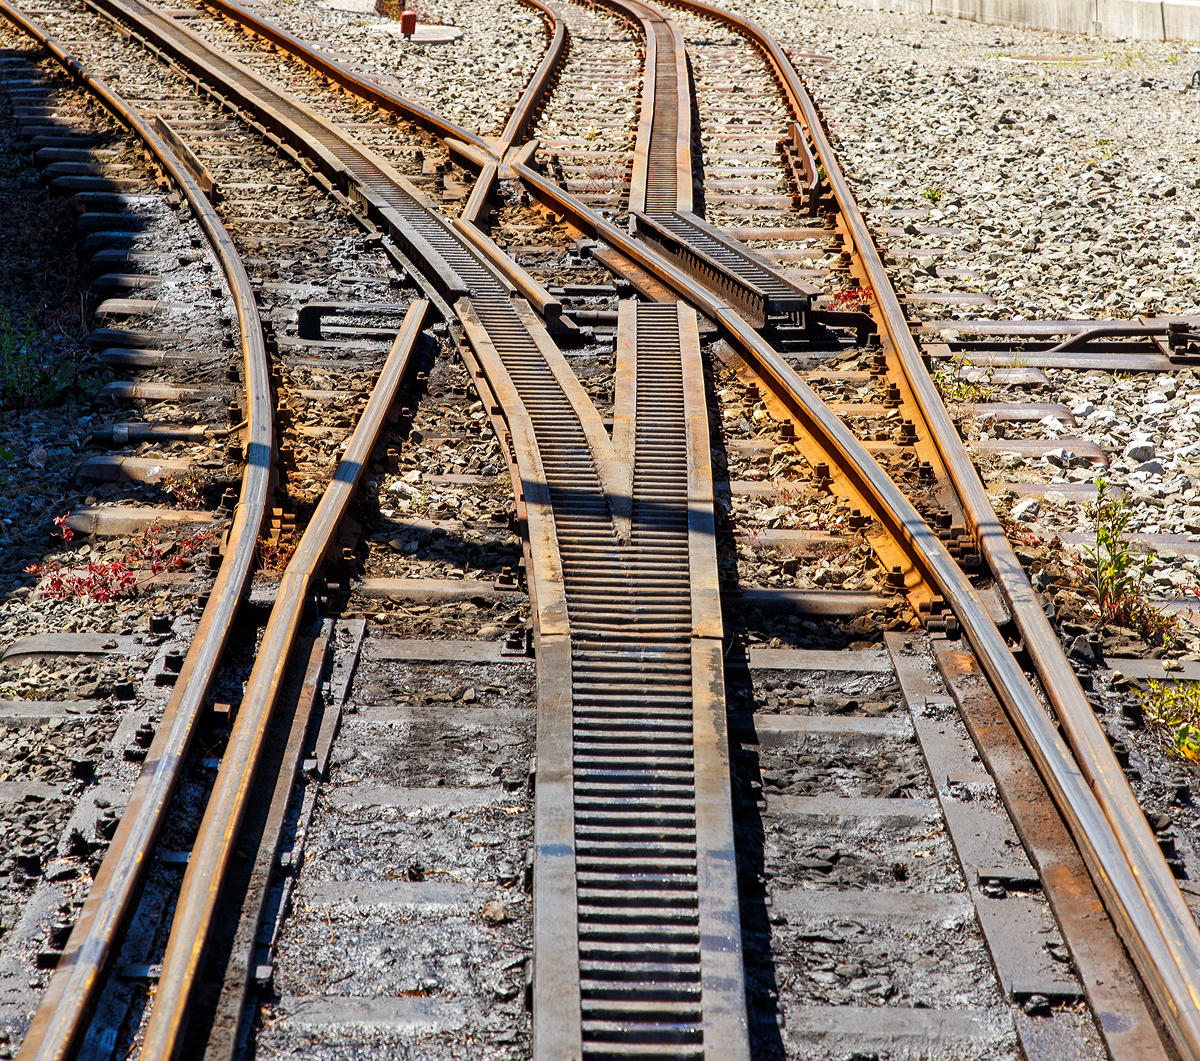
<point>636,915</point>
<point>635,891</point>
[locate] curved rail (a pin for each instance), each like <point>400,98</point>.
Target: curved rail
<point>520,122</point>
<point>1162,946</point>
<point>215,842</point>
<point>347,79</point>
<point>1155,923</point>
<point>662,156</point>
<point>1089,786</point>
<point>62,1015</point>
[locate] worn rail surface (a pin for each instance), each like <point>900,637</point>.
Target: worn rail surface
<point>62,1017</point>
<point>638,945</point>
<point>1085,780</point>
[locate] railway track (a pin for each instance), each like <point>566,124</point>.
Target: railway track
<point>648,878</point>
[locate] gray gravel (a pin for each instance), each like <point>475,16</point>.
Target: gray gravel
<point>473,80</point>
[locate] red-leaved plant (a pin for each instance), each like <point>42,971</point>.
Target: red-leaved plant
<point>105,580</point>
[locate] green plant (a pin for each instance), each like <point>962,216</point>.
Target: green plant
<point>960,390</point>
<point>1114,573</point>
<point>29,378</point>
<point>932,195</point>
<point>1175,708</point>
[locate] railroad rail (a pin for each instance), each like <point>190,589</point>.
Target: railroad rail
<point>636,906</point>
<point>1088,786</point>
<point>103,915</point>
<point>509,343</point>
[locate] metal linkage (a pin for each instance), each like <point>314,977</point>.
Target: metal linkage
<point>746,279</point>
<point>660,195</point>
<point>62,1016</point>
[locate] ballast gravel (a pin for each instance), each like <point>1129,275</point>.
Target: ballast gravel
<point>1023,175</point>
<point>472,80</point>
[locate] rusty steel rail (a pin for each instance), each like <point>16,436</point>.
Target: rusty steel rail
<point>62,1016</point>
<point>370,91</point>
<point>1088,786</point>
<point>1083,776</point>
<point>661,182</point>
<point>1138,888</point>
<point>484,152</point>
<point>218,835</point>
<point>1115,877</point>
<point>525,111</point>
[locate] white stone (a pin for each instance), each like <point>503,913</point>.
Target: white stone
<point>1139,450</point>
<point>1026,510</point>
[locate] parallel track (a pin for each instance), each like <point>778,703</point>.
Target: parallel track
<point>1123,856</point>
<point>102,917</point>
<point>638,944</point>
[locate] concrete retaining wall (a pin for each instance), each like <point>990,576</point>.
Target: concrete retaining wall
<point>1134,19</point>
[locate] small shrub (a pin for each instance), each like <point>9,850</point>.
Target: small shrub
<point>1114,573</point>
<point>31,377</point>
<point>275,555</point>
<point>852,296</point>
<point>956,389</point>
<point>187,490</point>
<point>1176,709</point>
<point>105,580</point>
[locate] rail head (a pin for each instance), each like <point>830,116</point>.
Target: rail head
<point>525,113</point>
<point>382,97</point>
<point>65,1008</point>
<point>1155,922</point>
<point>213,849</point>
<point>1139,891</point>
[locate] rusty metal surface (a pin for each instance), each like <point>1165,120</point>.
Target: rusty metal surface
<point>1118,847</point>
<point>633,941</point>
<point>360,86</point>
<point>525,111</point>
<point>1108,977</point>
<point>722,973</point>
<point>1016,925</point>
<point>1088,785</point>
<point>215,841</point>
<point>929,561</point>
<point>61,1017</point>
<point>262,833</point>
